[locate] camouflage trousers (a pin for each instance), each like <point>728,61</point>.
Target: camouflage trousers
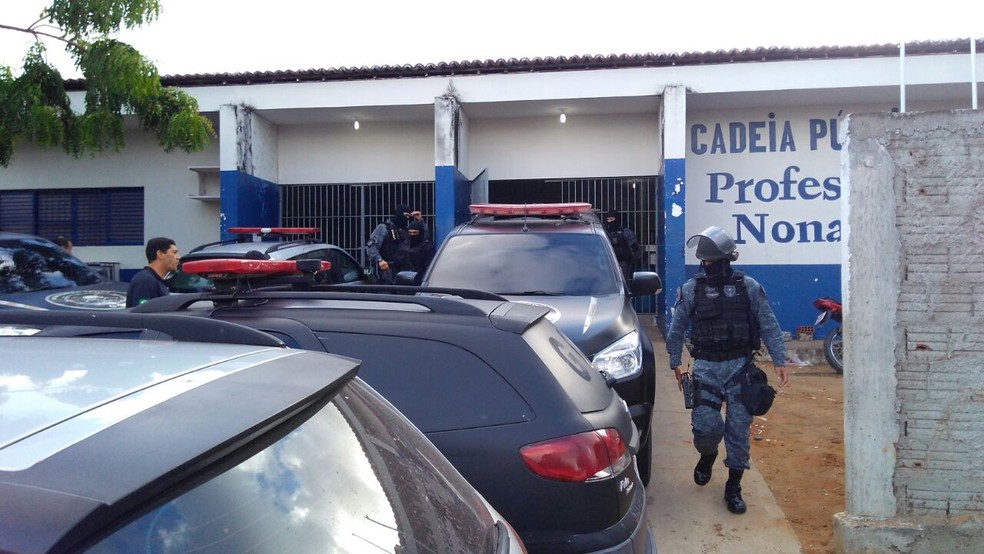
<point>708,424</point>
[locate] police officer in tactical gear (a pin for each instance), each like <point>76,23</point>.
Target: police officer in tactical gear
<point>386,240</point>
<point>725,314</point>
<point>624,242</point>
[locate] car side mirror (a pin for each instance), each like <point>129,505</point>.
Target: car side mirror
<point>644,283</point>
<point>406,278</point>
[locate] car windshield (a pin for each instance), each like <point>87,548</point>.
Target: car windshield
<point>28,265</point>
<point>526,264</point>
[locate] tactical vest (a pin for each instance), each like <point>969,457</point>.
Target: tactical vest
<point>723,326</point>
<point>395,237</point>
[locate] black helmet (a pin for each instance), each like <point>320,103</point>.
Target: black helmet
<point>713,244</point>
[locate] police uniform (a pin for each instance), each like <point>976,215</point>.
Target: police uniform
<point>726,314</point>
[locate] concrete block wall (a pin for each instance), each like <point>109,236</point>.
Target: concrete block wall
<point>914,333</point>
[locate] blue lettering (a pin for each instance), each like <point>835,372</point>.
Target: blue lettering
<point>755,136</point>
<point>772,132</point>
<point>788,144</point>
<point>819,129</point>
<point>805,186</point>
<point>742,221</point>
<point>756,229</point>
<point>718,144</point>
<point>766,190</point>
<point>738,138</point>
<point>729,181</point>
<point>787,182</point>
<point>695,145</point>
<point>804,231</point>
<point>783,232</point>
<point>831,188</point>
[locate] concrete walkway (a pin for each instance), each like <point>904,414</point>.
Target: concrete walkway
<point>686,518</point>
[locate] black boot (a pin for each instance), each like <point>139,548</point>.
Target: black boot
<point>702,473</point>
<point>732,492</point>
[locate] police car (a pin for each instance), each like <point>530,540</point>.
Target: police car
<point>37,274</point>
<point>558,256</point>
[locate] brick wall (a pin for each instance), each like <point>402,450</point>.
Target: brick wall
<point>914,333</point>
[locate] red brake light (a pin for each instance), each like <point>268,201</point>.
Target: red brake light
<point>226,267</point>
<point>273,230</point>
<point>566,208</point>
<point>589,456</point>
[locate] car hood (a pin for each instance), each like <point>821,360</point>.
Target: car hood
<point>591,322</point>
<point>108,295</point>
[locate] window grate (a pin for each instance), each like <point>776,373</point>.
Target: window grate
<point>89,217</point>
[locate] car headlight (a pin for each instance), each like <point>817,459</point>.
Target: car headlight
<point>622,358</point>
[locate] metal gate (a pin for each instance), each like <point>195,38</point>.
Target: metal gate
<point>636,199</point>
<point>347,213</point>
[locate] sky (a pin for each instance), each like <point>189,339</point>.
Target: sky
<point>233,36</point>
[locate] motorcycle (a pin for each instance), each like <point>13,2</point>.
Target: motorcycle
<point>833,343</point>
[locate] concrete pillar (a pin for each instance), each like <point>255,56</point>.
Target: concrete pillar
<point>870,295</point>
<point>451,187</point>
<point>673,120</point>
<point>248,166</point>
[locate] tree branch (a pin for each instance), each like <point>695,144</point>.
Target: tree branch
<point>38,34</point>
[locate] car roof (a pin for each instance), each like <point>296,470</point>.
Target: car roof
<point>11,235</point>
<point>274,249</point>
<point>516,225</point>
<point>83,421</point>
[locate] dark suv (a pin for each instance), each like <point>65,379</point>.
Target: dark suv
<point>558,255</point>
<point>510,400</point>
<point>124,432</point>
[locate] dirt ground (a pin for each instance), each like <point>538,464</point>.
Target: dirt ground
<point>799,449</point>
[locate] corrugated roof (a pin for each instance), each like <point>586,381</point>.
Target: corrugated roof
<point>562,63</point>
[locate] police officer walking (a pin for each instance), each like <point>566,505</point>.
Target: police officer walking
<point>727,315</point>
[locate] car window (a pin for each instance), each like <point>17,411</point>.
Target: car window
<point>438,386</point>
<point>348,269</point>
<point>355,477</point>
<point>31,264</point>
<point>529,263</point>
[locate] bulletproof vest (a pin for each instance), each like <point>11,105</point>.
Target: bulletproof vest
<point>723,327</point>
<point>619,244</point>
<point>395,236</point>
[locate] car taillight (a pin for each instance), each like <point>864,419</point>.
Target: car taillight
<point>590,456</point>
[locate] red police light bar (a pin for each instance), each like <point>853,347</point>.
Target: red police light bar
<point>273,230</point>
<point>565,208</point>
<point>218,269</point>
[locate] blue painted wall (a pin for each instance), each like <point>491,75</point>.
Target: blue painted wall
<point>247,201</point>
<point>671,249</point>
<point>791,290</point>
<point>452,195</point>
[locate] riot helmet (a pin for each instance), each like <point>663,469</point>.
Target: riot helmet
<point>713,243</point>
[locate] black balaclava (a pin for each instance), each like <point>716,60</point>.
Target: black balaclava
<point>717,271</point>
<point>399,220</point>
<point>614,224</point>
<point>419,237</point>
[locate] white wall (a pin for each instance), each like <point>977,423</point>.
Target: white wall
<point>337,153</point>
<point>585,146</point>
<point>165,177</point>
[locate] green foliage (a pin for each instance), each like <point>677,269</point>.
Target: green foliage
<point>119,82</point>
<point>81,18</point>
